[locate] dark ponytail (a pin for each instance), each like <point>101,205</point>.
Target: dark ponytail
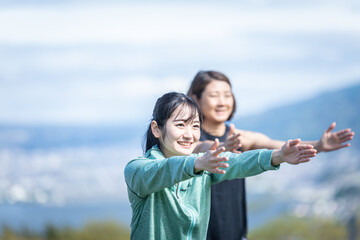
<point>163,109</point>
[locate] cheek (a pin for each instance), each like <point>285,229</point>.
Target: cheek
<point>207,105</point>
<point>197,136</point>
<point>231,103</point>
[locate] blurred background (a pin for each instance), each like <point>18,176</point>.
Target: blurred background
<point>79,79</point>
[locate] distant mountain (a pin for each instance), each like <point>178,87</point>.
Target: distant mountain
<point>308,119</point>
<point>39,136</point>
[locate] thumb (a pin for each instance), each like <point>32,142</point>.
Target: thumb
<point>215,144</point>
<point>294,142</point>
<point>232,129</point>
<point>332,126</point>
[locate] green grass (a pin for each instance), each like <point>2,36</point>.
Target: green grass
<point>293,228</point>
<point>91,231</point>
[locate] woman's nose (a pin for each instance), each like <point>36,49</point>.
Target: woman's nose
<point>187,132</point>
<point>221,100</point>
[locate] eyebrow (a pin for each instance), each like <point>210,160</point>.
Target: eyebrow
<point>217,91</point>
<point>185,120</point>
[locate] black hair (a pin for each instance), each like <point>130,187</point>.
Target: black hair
<point>163,109</point>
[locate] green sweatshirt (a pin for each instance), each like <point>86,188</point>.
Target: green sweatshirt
<point>170,201</point>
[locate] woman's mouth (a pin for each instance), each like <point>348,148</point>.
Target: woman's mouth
<point>185,144</point>
<point>221,111</point>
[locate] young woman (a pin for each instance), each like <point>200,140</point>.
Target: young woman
<point>169,188</point>
<point>213,93</point>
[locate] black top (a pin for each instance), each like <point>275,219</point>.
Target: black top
<point>228,218</point>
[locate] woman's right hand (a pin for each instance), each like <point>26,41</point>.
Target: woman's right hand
<point>211,161</point>
<point>233,141</point>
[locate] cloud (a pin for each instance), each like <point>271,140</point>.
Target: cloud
<point>142,24</point>
<point>106,62</point>
<point>111,100</point>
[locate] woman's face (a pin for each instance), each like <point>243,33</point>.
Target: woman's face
<point>180,135</point>
<point>216,102</point>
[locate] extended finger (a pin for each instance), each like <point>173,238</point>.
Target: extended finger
<point>214,162</point>
<point>219,171</point>
<point>218,151</point>
<point>331,127</point>
<point>234,142</point>
<point>222,165</point>
<point>234,137</point>
<point>345,135</point>
<point>308,155</point>
<point>344,131</point>
<point>345,145</point>
<point>303,160</point>
<point>215,144</point>
<point>311,150</point>
<point>232,129</point>
<point>222,159</point>
<point>294,142</point>
<point>305,146</point>
<point>348,138</point>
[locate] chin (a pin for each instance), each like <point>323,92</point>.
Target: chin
<point>186,152</point>
<point>222,118</point>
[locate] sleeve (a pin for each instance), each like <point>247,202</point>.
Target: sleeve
<point>246,164</point>
<point>145,176</point>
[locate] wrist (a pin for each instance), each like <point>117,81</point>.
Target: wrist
<point>277,157</point>
<point>197,164</point>
<point>318,146</point>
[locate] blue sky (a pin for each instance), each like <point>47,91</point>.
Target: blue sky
<point>88,62</point>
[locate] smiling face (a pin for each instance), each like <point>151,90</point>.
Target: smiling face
<point>180,134</point>
<point>216,102</point>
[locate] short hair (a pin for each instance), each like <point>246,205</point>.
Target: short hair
<point>202,79</point>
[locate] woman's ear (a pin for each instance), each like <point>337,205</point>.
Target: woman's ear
<point>155,129</point>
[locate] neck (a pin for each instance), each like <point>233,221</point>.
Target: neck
<point>215,129</point>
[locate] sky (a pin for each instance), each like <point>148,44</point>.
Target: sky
<point>106,62</point>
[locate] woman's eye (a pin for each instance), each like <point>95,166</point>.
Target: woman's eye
<point>196,126</point>
<point>180,125</point>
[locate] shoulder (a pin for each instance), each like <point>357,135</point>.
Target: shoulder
<point>134,162</point>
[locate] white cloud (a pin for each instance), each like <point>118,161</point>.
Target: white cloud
<point>110,100</point>
<point>99,63</point>
<point>157,24</point>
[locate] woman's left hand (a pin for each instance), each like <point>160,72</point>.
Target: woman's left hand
<point>331,141</point>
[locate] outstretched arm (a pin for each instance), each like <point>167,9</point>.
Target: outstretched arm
<point>293,152</point>
<point>331,141</point>
<point>248,140</point>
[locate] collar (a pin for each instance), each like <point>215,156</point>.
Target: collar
<point>154,153</point>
